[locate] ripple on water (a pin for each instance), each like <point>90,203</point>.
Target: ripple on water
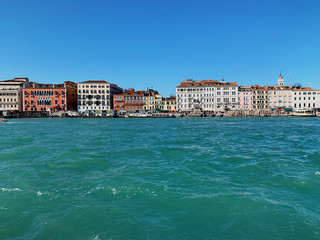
<point>184,178</point>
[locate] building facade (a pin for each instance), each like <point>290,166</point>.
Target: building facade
<point>169,104</point>
<point>96,96</point>
<point>305,98</point>
<point>280,96</point>
<point>245,99</point>
<point>152,100</point>
<point>50,97</point>
<point>129,100</point>
<point>260,98</point>
<point>208,95</point>
<point>11,95</point>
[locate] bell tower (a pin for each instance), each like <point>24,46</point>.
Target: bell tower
<point>280,80</point>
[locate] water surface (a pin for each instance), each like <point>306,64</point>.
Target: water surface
<point>183,178</point>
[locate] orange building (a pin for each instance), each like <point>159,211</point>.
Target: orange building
<point>50,97</point>
<point>129,100</point>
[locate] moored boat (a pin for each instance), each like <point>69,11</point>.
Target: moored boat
<point>303,113</point>
<point>150,115</point>
<point>162,115</point>
<point>137,115</point>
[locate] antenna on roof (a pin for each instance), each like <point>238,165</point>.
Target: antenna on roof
<point>222,80</point>
<point>290,79</point>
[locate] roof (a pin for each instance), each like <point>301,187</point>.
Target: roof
<point>94,81</point>
<point>204,83</point>
<point>257,87</point>
<point>66,84</point>
<point>18,80</point>
<point>277,87</point>
<point>172,98</point>
<point>303,89</point>
<point>130,93</point>
<point>245,88</point>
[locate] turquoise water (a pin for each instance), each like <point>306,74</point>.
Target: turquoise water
<point>184,178</point>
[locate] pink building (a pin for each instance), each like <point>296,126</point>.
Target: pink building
<point>245,98</point>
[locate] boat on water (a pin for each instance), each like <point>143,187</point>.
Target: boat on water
<point>136,115</point>
<point>303,113</point>
<point>162,115</point>
<point>3,120</point>
<point>150,115</point>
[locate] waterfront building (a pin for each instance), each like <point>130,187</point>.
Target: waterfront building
<point>207,95</point>
<point>169,104</point>
<point>96,96</point>
<point>305,97</point>
<point>129,100</point>
<point>245,98</point>
<point>11,95</point>
<point>50,97</point>
<point>152,100</point>
<point>280,96</point>
<point>260,98</point>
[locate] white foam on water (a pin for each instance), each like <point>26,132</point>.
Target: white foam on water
<point>10,189</point>
<point>39,193</point>
<point>114,191</point>
<point>317,173</point>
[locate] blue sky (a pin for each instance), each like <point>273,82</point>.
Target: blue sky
<point>156,44</point>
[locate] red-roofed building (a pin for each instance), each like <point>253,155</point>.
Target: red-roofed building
<point>50,97</point>
<point>129,100</point>
<point>305,97</point>
<point>207,95</point>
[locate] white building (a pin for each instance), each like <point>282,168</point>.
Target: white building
<point>11,94</point>
<point>305,97</point>
<point>280,96</point>
<point>208,95</point>
<point>96,96</point>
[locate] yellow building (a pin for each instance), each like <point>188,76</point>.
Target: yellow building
<point>169,104</point>
<point>152,100</point>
